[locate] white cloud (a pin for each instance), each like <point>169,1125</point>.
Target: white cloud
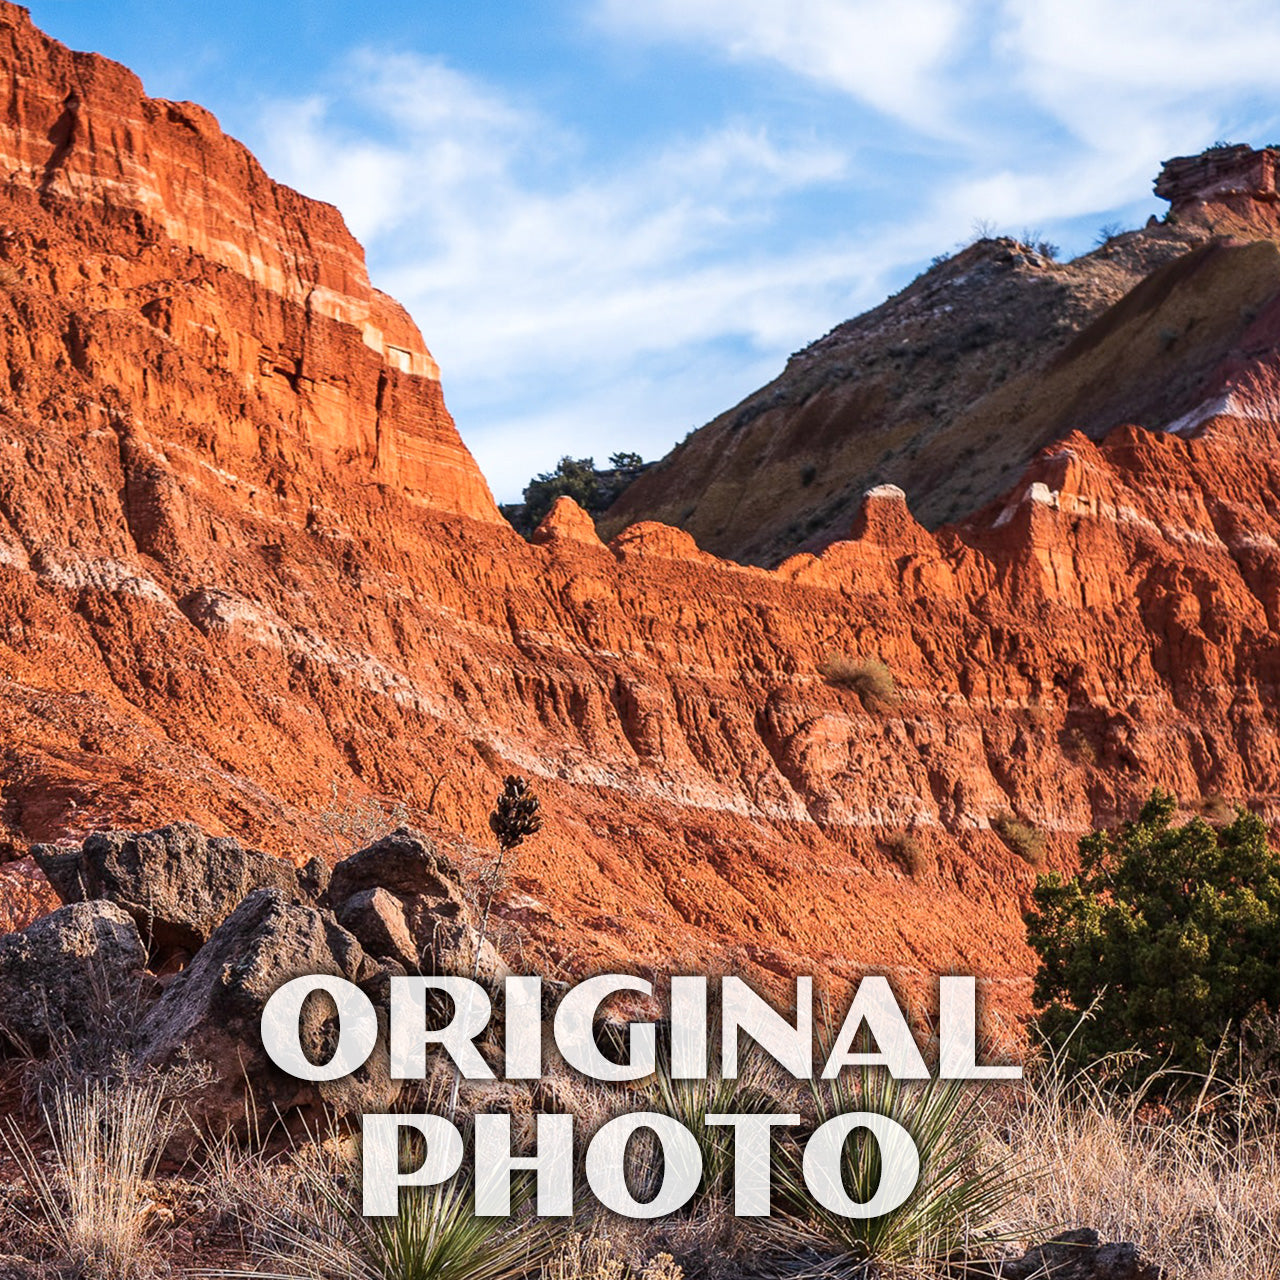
<point>889,55</point>
<point>585,304</point>
<point>523,271</point>
<point>1143,77</point>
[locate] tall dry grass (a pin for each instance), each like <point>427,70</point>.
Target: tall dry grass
<point>92,1209</point>
<point>1197,1188</point>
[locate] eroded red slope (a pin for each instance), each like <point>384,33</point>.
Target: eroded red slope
<point>245,561</point>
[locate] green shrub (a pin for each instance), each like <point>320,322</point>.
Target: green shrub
<point>435,1236</point>
<point>869,678</point>
<point>1167,939</point>
<point>691,1101</point>
<point>593,488</point>
<point>1028,842</point>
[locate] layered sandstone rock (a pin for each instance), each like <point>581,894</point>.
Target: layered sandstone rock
<point>1229,187</point>
<point>182,252</point>
<point>218,603</point>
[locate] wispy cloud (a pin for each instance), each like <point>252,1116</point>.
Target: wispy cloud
<point>584,295</point>
<point>525,268</point>
<point>891,56</point>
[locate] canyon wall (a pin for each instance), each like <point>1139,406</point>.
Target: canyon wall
<point>249,575</point>
<point>949,388</point>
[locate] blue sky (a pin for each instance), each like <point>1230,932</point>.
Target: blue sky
<point>612,219</point>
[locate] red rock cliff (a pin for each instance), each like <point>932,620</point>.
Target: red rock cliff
<point>176,226</point>
<point>247,566</point>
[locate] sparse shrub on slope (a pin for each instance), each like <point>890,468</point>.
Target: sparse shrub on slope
<point>909,853</point>
<point>869,678</point>
<point>1079,746</point>
<point>1169,937</point>
<point>1028,842</point>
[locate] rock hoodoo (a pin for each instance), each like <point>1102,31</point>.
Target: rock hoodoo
<point>1226,184</point>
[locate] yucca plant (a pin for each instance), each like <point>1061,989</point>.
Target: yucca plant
<point>691,1101</point>
<point>435,1236</point>
<point>958,1197</point>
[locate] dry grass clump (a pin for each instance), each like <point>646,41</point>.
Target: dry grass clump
<point>1079,746</point>
<point>1198,1191</point>
<point>869,678</point>
<point>908,851</point>
<point>1028,842</point>
<point>598,1255</point>
<point>1215,809</point>
<point>92,1211</point>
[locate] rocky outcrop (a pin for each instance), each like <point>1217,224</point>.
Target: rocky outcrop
<point>212,1013</point>
<point>68,975</point>
<point>404,901</point>
<point>177,883</point>
<point>945,391</point>
<point>567,522</point>
<point>80,974</point>
<point>1073,1255</point>
<point>1232,188</point>
<point>194,258</point>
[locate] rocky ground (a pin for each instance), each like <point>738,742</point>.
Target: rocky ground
<point>151,980</point>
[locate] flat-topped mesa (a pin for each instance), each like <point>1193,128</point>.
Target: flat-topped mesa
<point>177,229</point>
<point>1227,187</point>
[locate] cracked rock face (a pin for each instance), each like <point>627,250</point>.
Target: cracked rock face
<point>69,973</point>
<point>212,1012</point>
<point>404,900</point>
<point>177,883</point>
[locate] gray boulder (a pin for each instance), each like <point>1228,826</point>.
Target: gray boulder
<point>405,863</point>
<point>1074,1255</point>
<point>71,973</point>
<point>211,1012</point>
<point>404,879</point>
<point>178,883</point>
<point>377,919</point>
